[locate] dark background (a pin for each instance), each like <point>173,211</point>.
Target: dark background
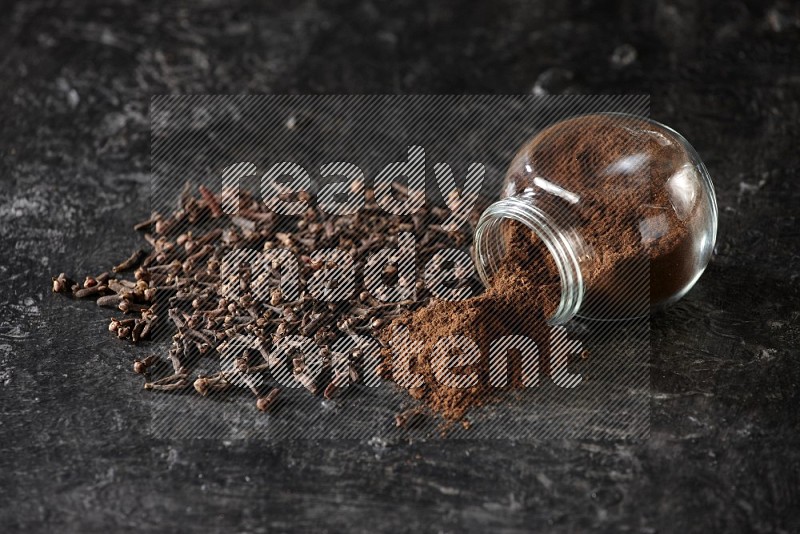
<point>76,80</point>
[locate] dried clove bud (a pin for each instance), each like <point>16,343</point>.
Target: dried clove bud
<point>109,301</point>
<point>89,291</point>
<point>265,403</point>
<point>61,284</point>
<point>131,263</point>
<point>140,367</point>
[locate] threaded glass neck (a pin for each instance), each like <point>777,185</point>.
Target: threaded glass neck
<point>490,248</point>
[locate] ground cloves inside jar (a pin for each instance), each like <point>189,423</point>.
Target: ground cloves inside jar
<point>620,204</point>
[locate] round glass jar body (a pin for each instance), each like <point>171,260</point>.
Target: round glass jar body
<point>623,204</point>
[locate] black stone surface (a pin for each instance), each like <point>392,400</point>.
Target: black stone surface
<point>75,454</point>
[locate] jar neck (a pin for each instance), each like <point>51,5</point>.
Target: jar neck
<point>562,242</point>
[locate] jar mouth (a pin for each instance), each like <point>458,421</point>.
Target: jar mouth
<point>490,249</point>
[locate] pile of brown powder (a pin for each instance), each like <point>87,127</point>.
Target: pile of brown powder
<point>524,292</point>
<point>622,167</point>
<point>638,204</point>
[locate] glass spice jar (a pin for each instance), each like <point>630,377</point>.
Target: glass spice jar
<point>623,204</point>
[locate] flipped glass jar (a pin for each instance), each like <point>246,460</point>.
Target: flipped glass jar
<point>623,204</point>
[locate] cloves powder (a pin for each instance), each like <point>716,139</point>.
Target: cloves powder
<point>524,293</point>
<point>526,289</point>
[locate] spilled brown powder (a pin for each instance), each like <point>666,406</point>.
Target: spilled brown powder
<point>524,292</point>
<point>595,155</point>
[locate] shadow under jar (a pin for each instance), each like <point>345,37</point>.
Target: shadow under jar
<point>623,204</point>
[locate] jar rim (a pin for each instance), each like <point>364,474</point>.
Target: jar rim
<point>490,249</point>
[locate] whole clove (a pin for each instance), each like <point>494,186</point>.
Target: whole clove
<point>266,402</point>
<point>131,263</point>
<point>176,284</point>
<point>62,284</point>
<point>109,301</point>
<point>91,291</point>
<point>140,367</point>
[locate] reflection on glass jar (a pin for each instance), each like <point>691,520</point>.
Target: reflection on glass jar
<point>623,204</point>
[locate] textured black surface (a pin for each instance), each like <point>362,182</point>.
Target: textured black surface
<point>76,78</point>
